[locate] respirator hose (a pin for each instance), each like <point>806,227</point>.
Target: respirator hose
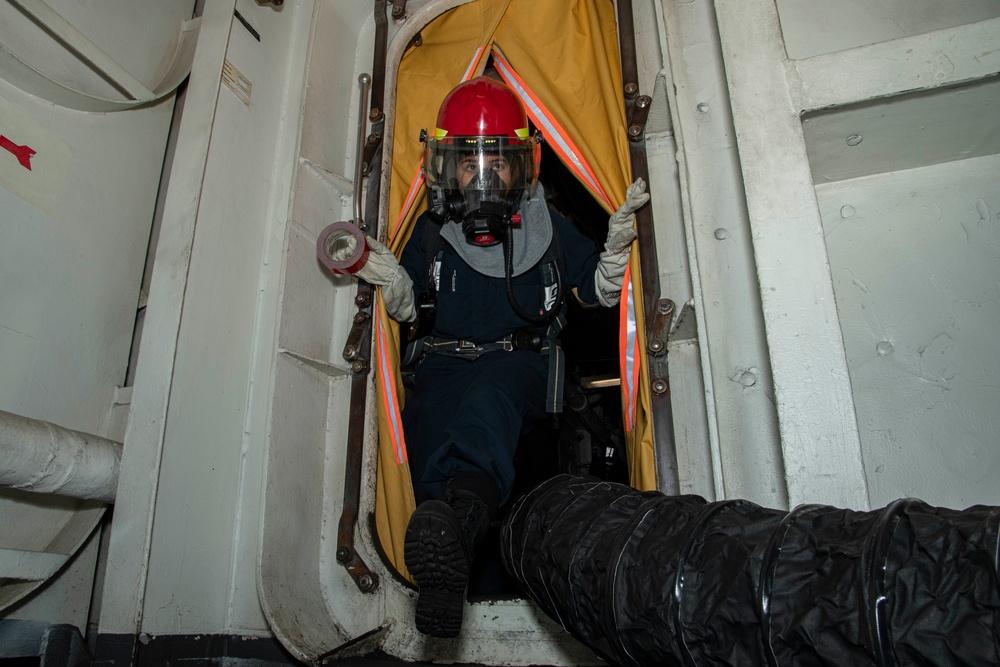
<point>508,271</point>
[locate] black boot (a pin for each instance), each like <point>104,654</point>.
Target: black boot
<point>441,539</point>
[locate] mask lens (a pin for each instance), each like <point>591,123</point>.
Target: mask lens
<point>478,181</point>
<point>487,181</point>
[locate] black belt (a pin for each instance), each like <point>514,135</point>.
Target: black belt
<point>466,348</point>
<point>469,350</point>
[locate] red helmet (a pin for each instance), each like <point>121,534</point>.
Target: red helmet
<point>481,154</point>
<point>482,107</point>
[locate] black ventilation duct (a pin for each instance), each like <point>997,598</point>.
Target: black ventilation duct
<point>644,578</point>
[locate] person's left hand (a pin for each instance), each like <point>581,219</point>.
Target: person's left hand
<point>383,269</point>
<point>621,232</point>
<point>621,224</point>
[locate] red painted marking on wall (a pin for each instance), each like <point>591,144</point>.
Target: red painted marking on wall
<point>22,153</point>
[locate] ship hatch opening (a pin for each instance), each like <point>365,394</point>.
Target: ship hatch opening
<point>573,94</point>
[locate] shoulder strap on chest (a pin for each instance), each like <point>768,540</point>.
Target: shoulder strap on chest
<point>551,266</point>
<point>432,246</point>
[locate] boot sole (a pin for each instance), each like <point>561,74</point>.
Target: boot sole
<point>435,555</point>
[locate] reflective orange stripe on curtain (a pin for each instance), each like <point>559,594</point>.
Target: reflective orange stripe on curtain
<point>554,134</point>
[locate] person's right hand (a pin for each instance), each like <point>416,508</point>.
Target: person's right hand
<point>383,269</point>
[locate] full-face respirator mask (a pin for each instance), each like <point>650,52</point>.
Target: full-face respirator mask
<point>480,160</point>
<point>478,182</point>
<point>487,215</point>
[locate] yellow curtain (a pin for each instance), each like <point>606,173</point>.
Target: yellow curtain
<point>565,53</point>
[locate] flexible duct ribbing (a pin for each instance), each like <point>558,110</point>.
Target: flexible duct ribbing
<point>643,578</point>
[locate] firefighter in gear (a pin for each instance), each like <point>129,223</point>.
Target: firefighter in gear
<point>492,263</point>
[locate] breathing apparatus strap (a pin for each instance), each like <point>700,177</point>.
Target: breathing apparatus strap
<point>557,365</point>
<point>432,246</point>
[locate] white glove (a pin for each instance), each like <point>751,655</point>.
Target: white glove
<point>621,232</point>
<point>383,269</point>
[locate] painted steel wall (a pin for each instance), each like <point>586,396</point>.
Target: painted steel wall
<point>812,28</point>
<point>854,433</point>
<point>914,257</point>
<point>184,547</point>
<point>74,229</point>
<point>744,455</point>
<point>77,192</point>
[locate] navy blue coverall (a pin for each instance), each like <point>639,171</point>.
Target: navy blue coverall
<point>467,415</point>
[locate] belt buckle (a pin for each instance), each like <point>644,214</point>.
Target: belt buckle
<point>466,346</point>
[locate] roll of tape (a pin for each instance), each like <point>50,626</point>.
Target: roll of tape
<point>335,236</point>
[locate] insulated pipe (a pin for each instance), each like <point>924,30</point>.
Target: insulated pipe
<point>45,458</point>
<point>650,579</point>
